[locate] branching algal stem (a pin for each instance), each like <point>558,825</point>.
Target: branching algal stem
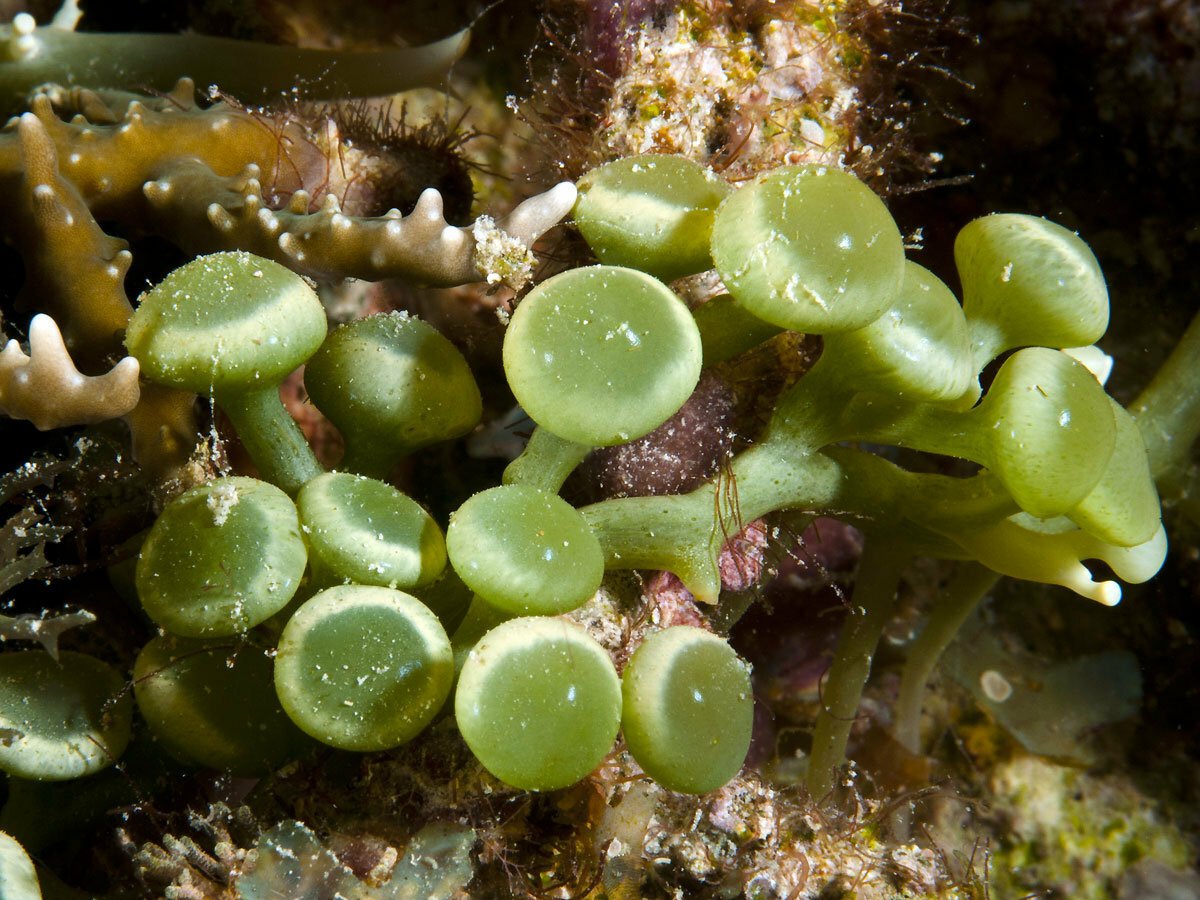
<point>546,461</point>
<point>272,438</point>
<point>677,533</point>
<point>1168,410</point>
<point>879,572</point>
<point>970,584</point>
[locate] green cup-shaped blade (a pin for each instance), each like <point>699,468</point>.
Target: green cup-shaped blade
<point>809,248</point>
<point>652,212</point>
<point>214,705</point>
<point>1050,430</point>
<point>221,558</point>
<point>363,668</point>
<point>602,355</point>
<point>368,532</point>
<point>918,349</point>
<point>1028,282</point>
<point>393,380</point>
<point>1123,508</point>
<point>61,719</point>
<point>539,703</point>
<point>229,322</point>
<point>688,709</point>
<point>525,551</point>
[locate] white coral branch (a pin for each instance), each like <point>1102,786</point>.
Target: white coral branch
<point>327,243</point>
<point>45,388</point>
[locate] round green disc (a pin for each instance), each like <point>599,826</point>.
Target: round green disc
<point>363,668</point>
<point>1050,430</point>
<point>652,212</point>
<point>688,710</point>
<point>1027,281</point>
<point>539,703</point>
<point>221,558</point>
<point>525,551</point>
<point>60,719</point>
<point>602,355</point>
<point>226,322</point>
<point>809,248</point>
<point>214,705</point>
<point>367,532</point>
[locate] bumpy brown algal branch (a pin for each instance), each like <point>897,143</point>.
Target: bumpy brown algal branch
<point>224,177</point>
<point>76,272</point>
<point>52,227</point>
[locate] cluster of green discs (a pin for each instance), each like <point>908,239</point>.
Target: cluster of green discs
<point>540,703</point>
<point>291,594</point>
<point>812,249</point>
<point>313,569</point>
<point>298,595</point>
<point>359,664</point>
<point>596,356</point>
